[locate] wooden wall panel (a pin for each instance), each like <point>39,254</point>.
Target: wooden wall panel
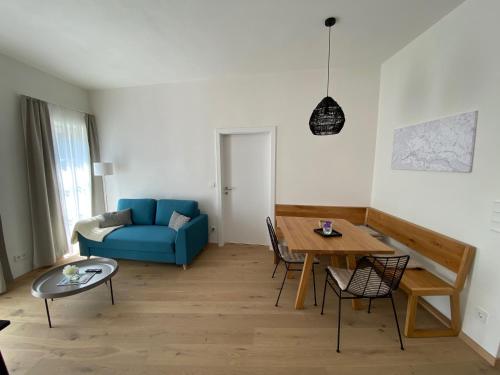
<point>355,215</point>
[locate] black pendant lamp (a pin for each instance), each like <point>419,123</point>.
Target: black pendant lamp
<point>327,118</point>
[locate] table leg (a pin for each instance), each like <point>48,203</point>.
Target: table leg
<point>111,288</point>
<point>351,264</point>
<point>304,281</point>
<point>48,314</point>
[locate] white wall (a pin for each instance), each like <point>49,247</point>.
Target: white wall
<point>453,67</point>
<point>162,138</point>
<point>19,79</point>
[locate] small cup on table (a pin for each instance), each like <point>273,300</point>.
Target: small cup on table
<point>327,226</point>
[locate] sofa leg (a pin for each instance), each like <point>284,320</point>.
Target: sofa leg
<point>185,266</point>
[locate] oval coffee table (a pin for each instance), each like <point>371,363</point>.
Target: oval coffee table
<point>45,286</point>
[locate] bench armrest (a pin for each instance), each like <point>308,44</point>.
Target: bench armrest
<point>191,239</point>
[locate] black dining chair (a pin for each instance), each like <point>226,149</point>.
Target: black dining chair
<point>373,278</point>
<point>291,260</point>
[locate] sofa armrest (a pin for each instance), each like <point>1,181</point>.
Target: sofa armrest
<point>191,239</point>
<point>84,246</point>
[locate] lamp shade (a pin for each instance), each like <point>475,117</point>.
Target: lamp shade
<point>103,169</point>
<point>327,118</point>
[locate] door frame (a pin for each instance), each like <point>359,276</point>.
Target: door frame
<point>219,134</point>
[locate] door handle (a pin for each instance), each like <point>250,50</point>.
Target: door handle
<point>226,188</point>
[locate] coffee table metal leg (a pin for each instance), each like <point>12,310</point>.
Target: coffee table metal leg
<point>48,314</point>
<point>111,288</point>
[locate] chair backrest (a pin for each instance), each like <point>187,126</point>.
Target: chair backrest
<point>377,276</point>
<point>274,238</point>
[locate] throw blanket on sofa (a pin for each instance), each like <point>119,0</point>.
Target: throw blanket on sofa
<point>90,229</point>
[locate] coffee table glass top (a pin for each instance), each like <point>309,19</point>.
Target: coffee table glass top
<point>45,286</point>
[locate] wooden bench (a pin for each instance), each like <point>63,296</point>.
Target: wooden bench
<point>454,255</point>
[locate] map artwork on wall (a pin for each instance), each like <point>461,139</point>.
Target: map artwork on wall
<point>444,145</point>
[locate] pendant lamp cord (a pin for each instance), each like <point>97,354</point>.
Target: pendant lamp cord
<point>328,79</point>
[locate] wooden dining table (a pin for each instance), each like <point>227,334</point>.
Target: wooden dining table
<point>301,238</point>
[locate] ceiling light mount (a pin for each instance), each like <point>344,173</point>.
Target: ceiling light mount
<point>329,22</point>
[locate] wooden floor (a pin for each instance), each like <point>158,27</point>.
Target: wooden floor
<point>217,317</point>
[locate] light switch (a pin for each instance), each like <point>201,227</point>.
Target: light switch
<point>495,217</point>
<point>496,205</point>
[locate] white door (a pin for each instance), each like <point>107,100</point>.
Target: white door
<point>246,182</point>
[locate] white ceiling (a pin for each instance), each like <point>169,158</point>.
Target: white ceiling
<point>119,43</point>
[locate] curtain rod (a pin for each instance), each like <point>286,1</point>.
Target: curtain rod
<point>46,101</point>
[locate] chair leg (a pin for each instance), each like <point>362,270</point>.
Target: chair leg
<point>314,286</point>
<point>324,294</point>
<point>370,306</point>
<point>397,323</point>
<point>282,284</point>
<point>275,268</point>
<point>338,322</point>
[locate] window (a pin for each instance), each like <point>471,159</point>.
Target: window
<point>72,159</point>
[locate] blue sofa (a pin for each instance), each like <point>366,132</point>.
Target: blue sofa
<point>149,238</point>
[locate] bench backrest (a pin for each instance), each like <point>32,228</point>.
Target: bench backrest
<point>450,253</point>
<point>356,215</point>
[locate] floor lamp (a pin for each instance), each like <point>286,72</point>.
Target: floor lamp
<point>103,169</point>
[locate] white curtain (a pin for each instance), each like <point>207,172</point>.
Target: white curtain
<point>71,148</point>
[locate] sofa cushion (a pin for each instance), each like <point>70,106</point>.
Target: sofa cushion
<point>143,210</point>
<point>114,219</point>
<point>166,207</point>
<point>142,237</point>
<point>177,221</point>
